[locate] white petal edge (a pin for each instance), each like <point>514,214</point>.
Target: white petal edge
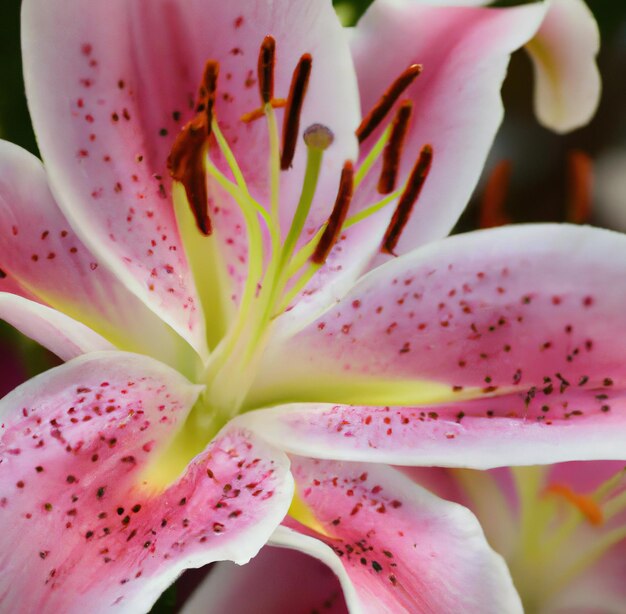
<point>62,335</point>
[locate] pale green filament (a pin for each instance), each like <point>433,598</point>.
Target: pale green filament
<point>313,165</point>
<point>274,162</point>
<point>371,157</point>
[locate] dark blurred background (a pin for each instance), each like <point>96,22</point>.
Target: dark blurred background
<point>532,175</point>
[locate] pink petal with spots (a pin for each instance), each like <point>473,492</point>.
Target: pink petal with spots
<point>57,332</point>
<point>403,549</point>
<point>278,579</point>
<point>563,53</point>
<point>90,531</point>
<point>464,52</point>
<point>44,259</point>
<point>489,432</point>
<point>528,318</point>
<point>489,312</point>
<point>134,96</point>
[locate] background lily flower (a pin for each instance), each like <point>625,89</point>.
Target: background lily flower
<point>222,276</point>
<point>561,528</point>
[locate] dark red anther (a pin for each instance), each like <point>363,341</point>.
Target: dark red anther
<point>338,215</point>
<point>407,200</point>
<point>209,88</point>
<point>2,274</point>
<point>186,164</point>
<point>186,159</point>
<point>378,112</point>
<point>291,121</point>
<point>393,149</point>
<point>265,69</point>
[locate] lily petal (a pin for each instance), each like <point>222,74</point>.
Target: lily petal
<point>486,312</point>
<point>57,332</point>
<point>93,533</point>
<point>278,579</point>
<point>563,52</point>
<point>42,255</point>
<point>490,332</point>
<point>134,96</point>
<point>403,549</point>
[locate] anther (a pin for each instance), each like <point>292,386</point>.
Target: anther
<point>209,88</point>
<point>378,112</point>
<point>492,205</point>
<point>186,164</point>
<point>186,159</point>
<point>338,215</point>
<point>407,200</point>
<point>318,136</point>
<point>265,70</point>
<point>580,187</point>
<point>291,120</point>
<point>393,149</point>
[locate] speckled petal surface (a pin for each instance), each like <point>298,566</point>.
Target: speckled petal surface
<point>492,312</point>
<point>43,258</point>
<point>106,117</point>
<point>90,531</point>
<point>403,549</point>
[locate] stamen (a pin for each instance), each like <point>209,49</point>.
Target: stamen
<point>580,175</point>
<point>186,164</point>
<point>267,61</point>
<point>291,121</point>
<point>378,112</point>
<point>492,211</point>
<point>393,150</point>
<point>338,215</point>
<point>186,159</point>
<point>209,89</point>
<point>585,504</point>
<point>407,200</point>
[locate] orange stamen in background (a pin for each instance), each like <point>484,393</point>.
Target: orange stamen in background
<point>295,100</point>
<point>492,210</point>
<point>393,149</point>
<point>338,215</point>
<point>583,503</point>
<point>378,112</point>
<point>580,187</point>
<point>407,200</point>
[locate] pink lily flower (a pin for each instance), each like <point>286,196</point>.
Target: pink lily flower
<point>561,529</point>
<point>193,263</point>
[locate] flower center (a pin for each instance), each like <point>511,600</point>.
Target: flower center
<point>280,264</point>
